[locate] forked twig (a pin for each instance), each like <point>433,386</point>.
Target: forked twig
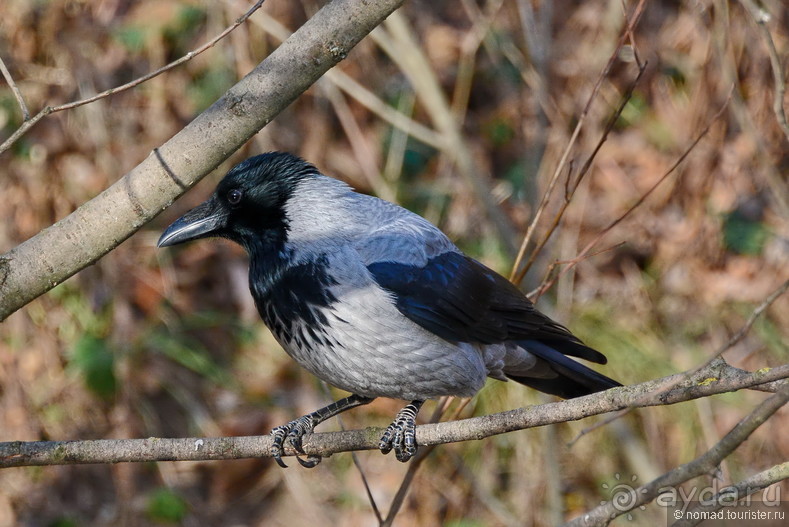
<point>15,90</point>
<point>31,121</point>
<point>772,297</point>
<point>572,184</point>
<point>550,279</point>
<point>543,287</point>
<point>704,464</point>
<point>761,17</point>
<point>637,12</point>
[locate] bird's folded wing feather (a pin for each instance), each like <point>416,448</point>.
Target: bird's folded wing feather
<point>461,300</point>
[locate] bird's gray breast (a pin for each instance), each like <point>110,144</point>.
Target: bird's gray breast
<point>336,322</point>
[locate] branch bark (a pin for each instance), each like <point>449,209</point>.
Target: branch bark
<point>716,378</point>
<point>101,224</point>
<point>734,493</point>
<point>704,464</point>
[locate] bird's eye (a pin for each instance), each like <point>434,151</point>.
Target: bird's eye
<point>234,196</point>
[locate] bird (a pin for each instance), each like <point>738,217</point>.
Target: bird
<point>377,301</point>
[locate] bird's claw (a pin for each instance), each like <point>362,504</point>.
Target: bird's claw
<point>401,435</point>
<point>293,433</point>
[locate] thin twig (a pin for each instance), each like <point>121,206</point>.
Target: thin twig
<point>357,462</point>
<point>550,279</point>
<point>704,464</point>
<point>402,491</point>
<point>772,297</point>
<point>761,17</point>
<point>29,123</point>
<point>576,132</point>
<point>543,287</point>
<point>733,493</point>
<point>573,184</point>
<point>15,90</point>
<point>727,54</point>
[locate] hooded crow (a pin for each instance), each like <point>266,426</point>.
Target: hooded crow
<point>375,300</point>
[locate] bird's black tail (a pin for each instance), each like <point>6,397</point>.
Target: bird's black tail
<point>572,378</point>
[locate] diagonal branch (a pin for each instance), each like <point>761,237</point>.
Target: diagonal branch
<point>704,464</point>
<point>518,273</point>
<point>733,493</point>
<point>715,357</point>
<point>716,378</point>
<point>15,90</point>
<point>98,226</point>
<point>548,282</point>
<point>761,17</point>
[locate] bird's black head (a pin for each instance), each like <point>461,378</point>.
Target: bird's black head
<point>248,204</point>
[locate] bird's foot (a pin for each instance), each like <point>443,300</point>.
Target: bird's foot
<point>401,434</point>
<point>293,433</point>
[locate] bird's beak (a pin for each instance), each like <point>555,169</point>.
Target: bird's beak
<point>207,219</point>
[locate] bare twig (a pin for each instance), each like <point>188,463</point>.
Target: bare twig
<point>718,377</point>
<point>357,463</point>
<point>550,279</point>
<point>761,17</point>
<point>402,491</point>
<point>30,122</point>
<point>545,286</point>
<point>573,184</point>
<point>517,274</point>
<point>15,90</point>
<point>704,464</point>
<point>734,493</point>
<point>767,302</point>
<point>730,75</point>
<point>772,297</point>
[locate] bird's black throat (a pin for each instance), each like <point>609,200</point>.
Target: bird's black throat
<point>290,297</point>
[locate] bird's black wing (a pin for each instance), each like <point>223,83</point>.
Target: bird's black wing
<point>461,300</point>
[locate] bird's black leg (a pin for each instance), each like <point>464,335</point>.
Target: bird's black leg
<point>401,434</point>
<point>296,429</point>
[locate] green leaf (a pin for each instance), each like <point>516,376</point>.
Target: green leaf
<point>742,235</point>
<point>94,360</point>
<point>64,521</point>
<point>164,505</point>
<point>190,354</point>
<point>133,38</point>
<point>209,86</point>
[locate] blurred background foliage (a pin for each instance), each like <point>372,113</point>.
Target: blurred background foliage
<point>168,343</point>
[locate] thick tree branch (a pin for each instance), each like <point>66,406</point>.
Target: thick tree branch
<point>718,377</point>
<point>704,464</point>
<point>98,226</point>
